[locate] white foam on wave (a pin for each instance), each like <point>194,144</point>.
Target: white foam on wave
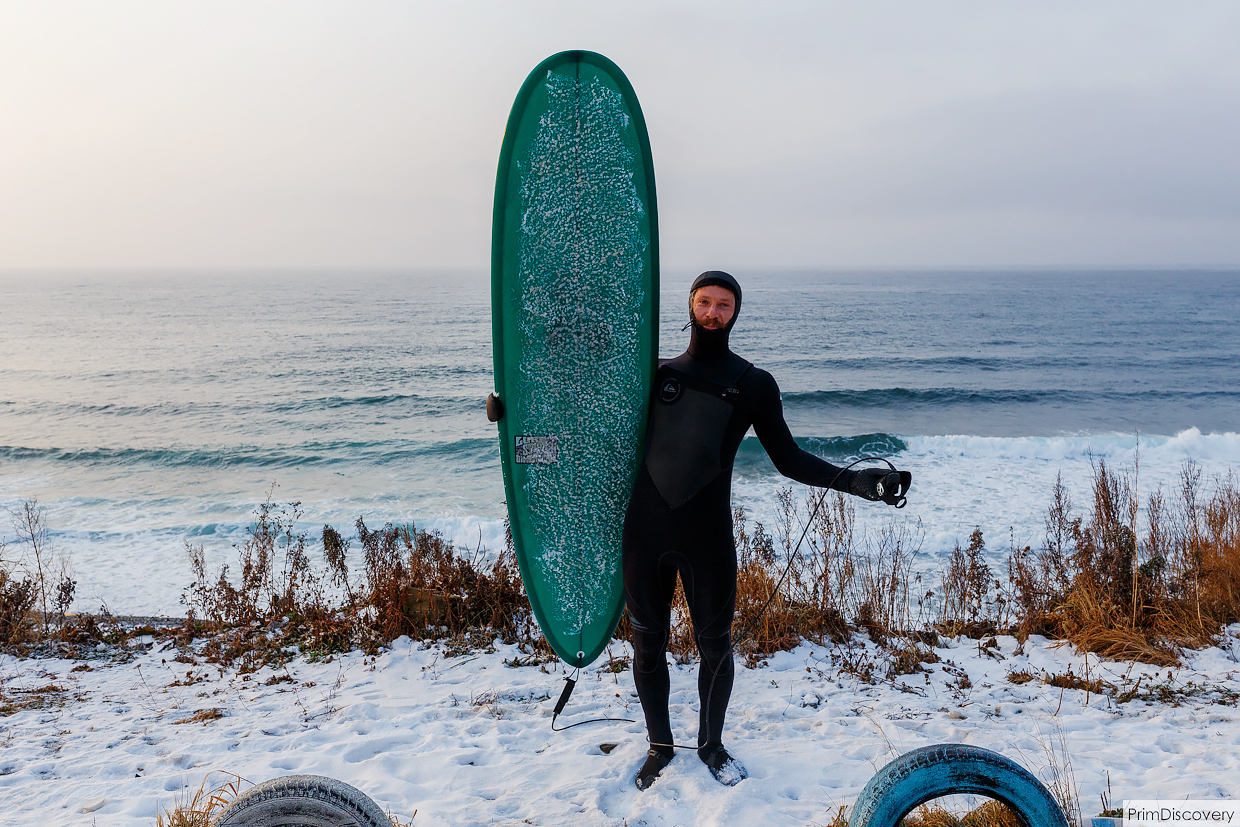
<point>1189,444</point>
<point>130,554</point>
<point>1003,484</point>
<point>471,534</point>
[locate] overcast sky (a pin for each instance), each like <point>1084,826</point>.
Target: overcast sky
<point>817,134</point>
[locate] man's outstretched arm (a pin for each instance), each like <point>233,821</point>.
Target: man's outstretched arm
<point>796,463</point>
<point>790,459</point>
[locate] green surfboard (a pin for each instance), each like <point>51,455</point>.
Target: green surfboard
<point>574,301</point>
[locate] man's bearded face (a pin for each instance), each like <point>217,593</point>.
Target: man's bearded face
<point>713,306</point>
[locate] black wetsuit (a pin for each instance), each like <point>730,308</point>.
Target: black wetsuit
<point>679,518</point>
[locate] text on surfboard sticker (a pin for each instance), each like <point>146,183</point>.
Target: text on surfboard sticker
<point>538,450</point>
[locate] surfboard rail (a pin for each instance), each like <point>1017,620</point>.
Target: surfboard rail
<point>575,221</point>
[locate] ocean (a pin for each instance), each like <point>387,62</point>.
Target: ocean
<point>147,410</point>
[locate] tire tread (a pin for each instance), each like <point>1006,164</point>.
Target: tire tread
<point>952,769</point>
<point>318,797</point>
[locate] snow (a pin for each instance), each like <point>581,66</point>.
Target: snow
<point>466,740</point>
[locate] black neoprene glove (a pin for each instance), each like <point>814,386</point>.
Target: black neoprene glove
<point>882,484</point>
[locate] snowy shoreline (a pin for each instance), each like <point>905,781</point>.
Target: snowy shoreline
<point>466,740</point>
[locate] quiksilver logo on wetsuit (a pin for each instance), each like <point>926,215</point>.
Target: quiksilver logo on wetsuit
<point>670,390</point>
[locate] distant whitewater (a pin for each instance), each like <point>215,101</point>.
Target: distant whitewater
<point>147,410</point>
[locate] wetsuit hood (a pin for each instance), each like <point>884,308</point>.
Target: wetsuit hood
<point>705,343</point>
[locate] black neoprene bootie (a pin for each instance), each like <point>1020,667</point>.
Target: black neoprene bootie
<point>656,759</point>
<point>726,769</point>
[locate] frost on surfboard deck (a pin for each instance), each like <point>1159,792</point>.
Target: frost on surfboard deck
<point>575,291</point>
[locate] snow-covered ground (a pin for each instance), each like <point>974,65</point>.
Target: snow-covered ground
<point>466,740</point>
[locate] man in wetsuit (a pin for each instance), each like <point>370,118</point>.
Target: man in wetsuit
<point>679,520</point>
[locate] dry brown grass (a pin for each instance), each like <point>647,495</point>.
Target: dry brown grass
<point>839,583</point>
<point>1057,773</point>
<point>1104,585</point>
<point>1068,680</point>
<point>1107,582</point>
<point>49,696</point>
<point>970,602</point>
<point>17,598</point>
<point>202,716</point>
<point>410,582</point>
<point>850,581</point>
<point>1204,545</point>
<point>908,655</point>
<point>1020,676</point>
<point>199,808</point>
<point>990,813</point>
<point>36,588</point>
<point>842,581</point>
<point>416,583</point>
<point>1090,621</point>
<point>839,818</point>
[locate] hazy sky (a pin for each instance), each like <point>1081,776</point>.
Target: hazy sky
<point>817,134</point>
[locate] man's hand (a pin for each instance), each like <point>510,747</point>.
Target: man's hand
<point>876,484</point>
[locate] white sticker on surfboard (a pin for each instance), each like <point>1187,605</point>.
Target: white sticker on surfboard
<point>538,450</point>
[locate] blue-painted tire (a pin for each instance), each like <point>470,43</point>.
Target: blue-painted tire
<point>953,769</point>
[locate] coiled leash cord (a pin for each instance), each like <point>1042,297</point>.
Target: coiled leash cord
<point>898,499</point>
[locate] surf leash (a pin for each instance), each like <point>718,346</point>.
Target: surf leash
<point>900,501</point>
<point>569,684</point>
<point>897,499</point>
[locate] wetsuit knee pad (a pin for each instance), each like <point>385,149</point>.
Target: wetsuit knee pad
<point>715,651</point>
<point>649,649</point>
